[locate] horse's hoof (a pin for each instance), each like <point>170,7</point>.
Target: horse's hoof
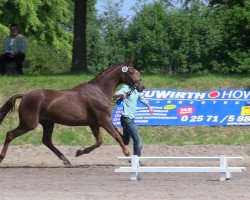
<point>65,161</point>
<point>1,158</point>
<point>127,153</point>
<point>78,153</point>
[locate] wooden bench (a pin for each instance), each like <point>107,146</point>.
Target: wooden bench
<point>11,67</point>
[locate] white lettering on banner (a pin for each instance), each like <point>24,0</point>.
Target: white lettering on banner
<point>161,111</point>
<point>145,108</point>
<point>247,94</point>
<point>152,117</point>
<point>149,94</point>
<point>190,108</point>
<point>226,95</point>
<point>155,111</point>
<point>180,95</point>
<point>190,95</point>
<point>142,121</point>
<point>164,94</point>
<point>200,95</point>
<point>148,114</point>
<point>174,95</point>
<point>238,94</point>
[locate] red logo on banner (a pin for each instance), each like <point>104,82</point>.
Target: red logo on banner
<point>185,110</point>
<point>213,94</point>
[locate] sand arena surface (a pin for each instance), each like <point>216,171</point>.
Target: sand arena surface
<point>34,173</point>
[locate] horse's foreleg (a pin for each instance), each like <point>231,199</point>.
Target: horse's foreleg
<point>96,133</point>
<point>47,141</point>
<point>11,135</point>
<point>117,136</point>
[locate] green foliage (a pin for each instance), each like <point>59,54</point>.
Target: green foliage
<point>111,48</point>
<point>95,52</point>
<point>46,20</point>
<point>148,39</point>
<point>45,27</point>
<point>194,37</point>
<point>177,41</point>
<point>233,49</point>
<point>46,59</point>
<point>3,34</point>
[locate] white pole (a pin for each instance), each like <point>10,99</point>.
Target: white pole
<point>134,176</point>
<point>226,175</point>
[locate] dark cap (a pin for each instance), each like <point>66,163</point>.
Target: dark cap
<point>13,25</point>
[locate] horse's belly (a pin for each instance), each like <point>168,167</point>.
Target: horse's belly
<point>70,116</point>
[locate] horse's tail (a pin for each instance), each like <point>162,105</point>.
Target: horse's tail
<point>9,106</point>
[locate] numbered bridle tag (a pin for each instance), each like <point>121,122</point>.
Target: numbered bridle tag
<point>125,69</point>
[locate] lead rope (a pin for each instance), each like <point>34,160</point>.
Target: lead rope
<point>120,99</point>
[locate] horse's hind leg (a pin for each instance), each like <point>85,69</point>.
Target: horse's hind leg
<point>11,135</point>
<point>47,140</point>
<point>96,132</point>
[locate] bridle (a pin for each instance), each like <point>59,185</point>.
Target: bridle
<point>128,79</point>
<point>130,82</point>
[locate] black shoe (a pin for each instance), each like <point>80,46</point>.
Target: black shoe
<point>140,163</point>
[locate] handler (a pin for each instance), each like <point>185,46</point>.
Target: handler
<point>129,98</point>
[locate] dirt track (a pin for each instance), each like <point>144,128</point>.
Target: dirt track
<point>32,173</point>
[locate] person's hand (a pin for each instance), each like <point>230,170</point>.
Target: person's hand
<point>151,110</point>
<point>123,96</point>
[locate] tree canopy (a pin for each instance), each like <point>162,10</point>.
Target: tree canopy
<point>193,36</point>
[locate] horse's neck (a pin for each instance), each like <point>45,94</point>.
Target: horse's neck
<point>107,82</point>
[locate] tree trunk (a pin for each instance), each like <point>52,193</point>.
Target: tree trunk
<point>79,56</point>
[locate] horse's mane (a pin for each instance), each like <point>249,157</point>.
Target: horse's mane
<point>109,68</point>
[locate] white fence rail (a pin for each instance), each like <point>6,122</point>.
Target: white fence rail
<point>223,169</point>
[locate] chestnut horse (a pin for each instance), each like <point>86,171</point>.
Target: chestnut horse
<point>88,104</point>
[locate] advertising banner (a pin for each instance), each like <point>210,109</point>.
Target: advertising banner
<point>192,108</point>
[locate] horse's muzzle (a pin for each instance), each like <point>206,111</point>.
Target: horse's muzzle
<point>140,86</point>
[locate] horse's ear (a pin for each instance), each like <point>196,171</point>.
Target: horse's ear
<point>130,63</point>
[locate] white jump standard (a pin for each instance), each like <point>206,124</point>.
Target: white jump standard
<point>223,169</point>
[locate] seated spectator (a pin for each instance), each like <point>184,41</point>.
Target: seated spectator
<point>14,50</point>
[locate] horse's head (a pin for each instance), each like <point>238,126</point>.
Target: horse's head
<point>131,77</point>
